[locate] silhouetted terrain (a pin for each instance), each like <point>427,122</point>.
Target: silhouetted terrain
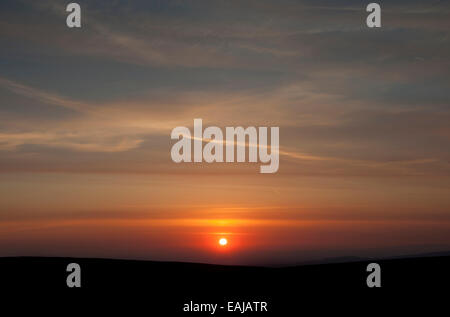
<point>163,287</point>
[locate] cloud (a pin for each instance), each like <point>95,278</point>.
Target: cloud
<point>223,38</point>
<point>346,98</point>
<point>40,95</point>
<point>11,141</point>
<point>318,133</point>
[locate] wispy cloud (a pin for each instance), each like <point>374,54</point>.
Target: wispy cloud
<point>46,97</point>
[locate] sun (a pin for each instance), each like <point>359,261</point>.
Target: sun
<point>223,241</point>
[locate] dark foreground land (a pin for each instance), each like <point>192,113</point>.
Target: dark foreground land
<point>163,288</point>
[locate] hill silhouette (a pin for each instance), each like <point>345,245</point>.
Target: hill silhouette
<point>164,287</point>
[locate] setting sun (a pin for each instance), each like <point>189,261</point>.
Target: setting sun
<point>223,242</point>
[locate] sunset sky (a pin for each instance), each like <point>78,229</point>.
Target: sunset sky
<point>86,116</point>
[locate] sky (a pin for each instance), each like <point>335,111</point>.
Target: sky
<point>86,116</point>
